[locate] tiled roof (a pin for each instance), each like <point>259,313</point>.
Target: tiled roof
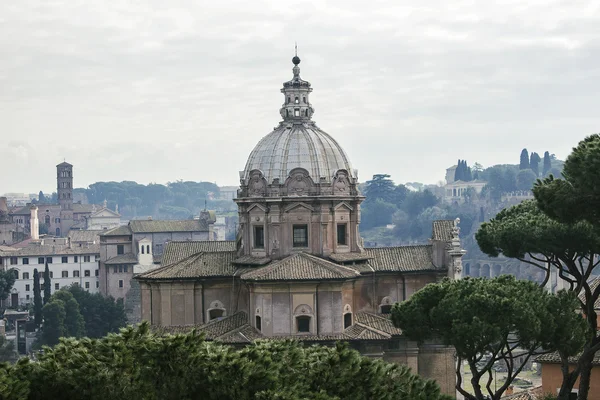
<point>195,266</point>
<point>128,258</point>
<point>554,358</point>
<point>151,226</point>
<point>178,250</point>
<point>84,236</point>
<point>347,257</point>
<point>122,230</point>
<point>360,332</point>
<point>54,250</point>
<point>84,208</point>
<point>593,285</point>
<point>530,394</point>
<point>378,322</point>
<point>298,267</point>
<point>400,259</point>
<point>231,329</point>
<point>249,260</point>
<point>442,230</point>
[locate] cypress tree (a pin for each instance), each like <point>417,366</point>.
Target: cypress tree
<point>547,164</point>
<point>524,164</point>
<point>534,163</point>
<point>47,292</point>
<point>37,298</point>
<point>457,171</point>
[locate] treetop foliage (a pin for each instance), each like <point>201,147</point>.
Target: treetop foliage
<point>137,363</point>
<point>503,318</point>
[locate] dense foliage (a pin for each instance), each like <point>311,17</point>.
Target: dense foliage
<point>560,232</point>
<point>138,364</point>
<point>74,312</point>
<point>7,280</point>
<point>491,321</point>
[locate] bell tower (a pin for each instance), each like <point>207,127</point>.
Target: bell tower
<point>64,189</point>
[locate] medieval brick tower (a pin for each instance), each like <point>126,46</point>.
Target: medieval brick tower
<point>64,189</point>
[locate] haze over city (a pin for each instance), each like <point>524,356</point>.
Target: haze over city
<point>156,92</point>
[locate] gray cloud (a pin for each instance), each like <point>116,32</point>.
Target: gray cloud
<point>153,91</point>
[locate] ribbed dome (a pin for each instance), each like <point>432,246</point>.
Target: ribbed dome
<point>298,146</point>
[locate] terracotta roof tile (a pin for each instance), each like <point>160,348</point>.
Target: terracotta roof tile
<point>379,322</point>
<point>178,250</point>
<point>530,394</point>
<point>554,358</point>
<point>249,260</point>
<point>298,267</point>
<point>122,230</point>
<point>442,230</point>
<point>150,226</point>
<point>85,235</point>
<point>195,266</point>
<point>400,259</point>
<point>128,258</point>
<point>347,257</point>
<point>360,332</point>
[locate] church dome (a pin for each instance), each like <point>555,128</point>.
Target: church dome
<point>298,146</point>
<point>297,142</point>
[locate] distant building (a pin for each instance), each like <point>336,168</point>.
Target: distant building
<point>552,375</point>
<point>19,199</point>
<point>228,192</point>
<point>456,190</point>
<point>70,262</point>
<point>138,247</point>
<point>56,219</point>
<point>100,220</point>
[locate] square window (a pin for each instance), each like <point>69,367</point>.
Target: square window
<point>25,275</point>
<point>86,258</point>
<point>259,237</point>
<point>300,236</point>
<point>65,260</point>
<point>115,269</point>
<point>125,268</point>
<point>75,274</point>
<point>97,272</point>
<point>86,272</point>
<point>13,261</point>
<point>120,268</point>
<point>25,260</point>
<point>120,283</point>
<point>27,287</point>
<point>27,297</point>
<point>65,274</point>
<point>120,249</point>
<point>51,274</point>
<point>75,259</point>
<point>49,260</point>
<point>296,112</point>
<point>56,286</point>
<point>40,260</point>
<point>87,285</point>
<point>303,323</point>
<point>341,234</point>
<point>97,284</point>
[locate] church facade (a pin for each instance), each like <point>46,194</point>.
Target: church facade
<point>298,268</point>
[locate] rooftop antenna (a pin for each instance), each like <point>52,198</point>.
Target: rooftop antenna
<point>204,204</point>
<point>296,47</point>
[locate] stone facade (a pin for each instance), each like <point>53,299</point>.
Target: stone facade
<point>138,247</point>
<point>298,268</point>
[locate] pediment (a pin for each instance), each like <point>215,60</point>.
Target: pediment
<point>343,204</point>
<point>259,206</point>
<point>299,204</point>
<point>105,212</point>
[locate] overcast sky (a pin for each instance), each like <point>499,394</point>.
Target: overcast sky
<point>155,91</point>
